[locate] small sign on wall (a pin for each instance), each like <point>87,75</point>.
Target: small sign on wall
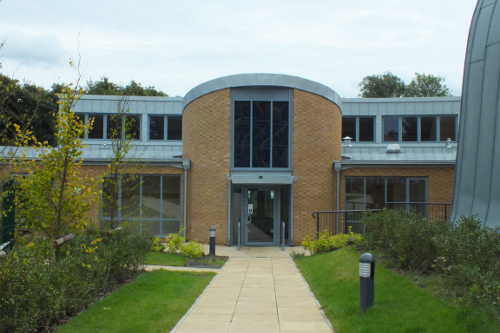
<point>250,209</point>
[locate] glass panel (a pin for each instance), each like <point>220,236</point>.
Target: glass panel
<point>285,212</point>
<point>236,213</point>
<point>170,227</point>
<point>151,191</point>
<point>174,128</point>
<point>133,127</point>
<point>349,127</point>
<point>156,128</point>
<point>280,134</point>
<point>97,131</point>
<point>354,193</point>
<point>241,134</point>
<point>261,134</point>
<point>428,127</point>
<point>152,227</point>
<point>366,131</point>
<point>110,196</point>
<point>261,228</point>
<point>114,129</point>
<point>391,131</point>
<point>375,193</point>
<point>171,200</point>
<point>447,128</point>
<point>131,190</point>
<point>409,128</point>
<point>417,190</point>
<point>396,189</point>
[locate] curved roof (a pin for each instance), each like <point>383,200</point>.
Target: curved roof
<point>259,79</point>
<point>478,160</point>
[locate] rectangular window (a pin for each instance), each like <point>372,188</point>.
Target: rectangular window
<point>97,131</point>
<point>419,128</point>
<point>359,128</point>
<point>146,202</point>
<point>107,126</point>
<point>165,128</point>
<point>377,192</point>
<point>261,130</point>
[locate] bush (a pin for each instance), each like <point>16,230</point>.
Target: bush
<point>192,250</point>
<point>157,245</point>
<point>174,241</point>
<point>326,243</point>
<point>406,239</point>
<point>33,295</point>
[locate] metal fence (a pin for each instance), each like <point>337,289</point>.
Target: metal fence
<point>340,221</point>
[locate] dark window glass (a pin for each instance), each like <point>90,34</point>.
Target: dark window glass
<point>151,196</point>
<point>366,131</point>
<point>114,130</point>
<point>391,131</point>
<point>156,127</point>
<point>97,131</point>
<point>133,127</point>
<point>409,130</point>
<point>447,128</point>
<point>261,135</point>
<point>241,134</point>
<point>396,189</point>
<point>355,193</point>
<point>349,127</point>
<point>375,193</point>
<point>174,128</point>
<point>171,198</point>
<point>428,127</point>
<point>130,192</point>
<point>280,134</point>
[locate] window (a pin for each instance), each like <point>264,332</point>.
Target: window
<point>147,202</point>
<point>261,137</point>
<point>360,129</point>
<point>106,126</point>
<point>419,128</point>
<point>377,192</point>
<point>165,127</point>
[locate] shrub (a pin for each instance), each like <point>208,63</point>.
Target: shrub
<point>157,245</point>
<point>326,243</point>
<point>174,241</point>
<point>33,296</point>
<point>192,250</point>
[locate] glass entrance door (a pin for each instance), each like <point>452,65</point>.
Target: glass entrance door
<point>260,216</point>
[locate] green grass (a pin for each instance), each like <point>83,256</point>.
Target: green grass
<point>154,302</point>
<point>170,259</point>
<point>165,259</point>
<point>400,305</point>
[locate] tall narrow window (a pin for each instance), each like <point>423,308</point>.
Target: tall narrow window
<point>409,128</point>
<point>447,128</point>
<point>174,128</point>
<point>97,131</point>
<point>156,127</point>
<point>242,134</point>
<point>349,127</point>
<point>366,129</point>
<point>391,128</point>
<point>280,134</point>
<point>261,134</point>
<point>428,127</point>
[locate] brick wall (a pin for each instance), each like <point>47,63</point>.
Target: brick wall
<point>206,142</point>
<point>317,136</point>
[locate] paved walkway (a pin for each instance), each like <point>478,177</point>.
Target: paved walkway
<point>253,294</point>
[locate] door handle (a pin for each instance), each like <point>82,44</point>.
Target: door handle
<point>249,218</point>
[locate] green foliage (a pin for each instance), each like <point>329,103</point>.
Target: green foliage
<point>389,85</point>
<point>192,250</point>
<point>174,242</point>
<point>157,245</point>
<point>54,197</point>
<point>326,243</point>
<point>34,295</point>
<point>106,87</point>
<point>382,86</point>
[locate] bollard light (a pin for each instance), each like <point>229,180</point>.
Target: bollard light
<point>212,241</point>
<point>366,281</point>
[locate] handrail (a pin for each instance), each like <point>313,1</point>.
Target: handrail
<point>239,234</point>
<point>283,232</point>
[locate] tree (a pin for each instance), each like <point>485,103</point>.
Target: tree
<point>382,86</point>
<point>54,197</point>
<point>106,87</point>
<point>423,85</point>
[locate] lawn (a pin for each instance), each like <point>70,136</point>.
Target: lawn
<point>171,259</point>
<point>400,306</point>
<point>154,302</point>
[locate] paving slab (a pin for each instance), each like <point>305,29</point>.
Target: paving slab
<point>258,290</point>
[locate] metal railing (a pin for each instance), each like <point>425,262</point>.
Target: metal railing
<point>340,221</point>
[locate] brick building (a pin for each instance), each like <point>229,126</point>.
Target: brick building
<point>267,150</point>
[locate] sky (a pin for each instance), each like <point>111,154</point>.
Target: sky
<point>177,45</point>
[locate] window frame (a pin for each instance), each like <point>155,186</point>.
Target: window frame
<point>105,124</point>
<point>165,127</point>
<point>356,138</point>
<point>419,127</point>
